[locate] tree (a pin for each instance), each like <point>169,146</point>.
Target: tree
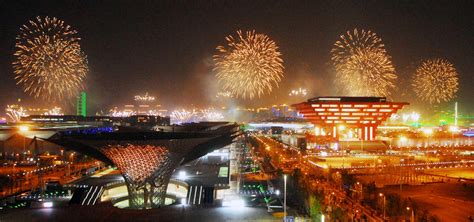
<point>348,181</point>
<point>394,206</point>
<point>338,215</point>
<point>434,218</point>
<point>370,188</point>
<point>315,207</point>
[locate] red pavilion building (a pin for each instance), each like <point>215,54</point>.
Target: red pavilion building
<point>361,114</point>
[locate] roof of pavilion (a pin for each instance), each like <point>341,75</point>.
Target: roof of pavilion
<point>202,141</point>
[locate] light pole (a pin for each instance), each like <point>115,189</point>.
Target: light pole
<point>401,162</point>
<point>390,146</point>
<point>343,160</point>
<point>341,128</point>
<point>361,190</point>
<point>284,198</point>
<point>412,219</point>
<point>24,147</point>
<point>381,194</point>
<point>23,130</point>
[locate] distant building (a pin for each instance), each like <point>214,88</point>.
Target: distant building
<point>138,121</point>
<point>276,130</point>
<point>141,105</point>
<point>142,121</point>
<point>295,140</point>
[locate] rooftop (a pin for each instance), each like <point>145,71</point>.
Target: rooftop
<point>347,99</point>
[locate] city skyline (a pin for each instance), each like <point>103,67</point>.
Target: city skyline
<point>166,49</point>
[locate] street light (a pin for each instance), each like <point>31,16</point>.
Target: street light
<point>401,162</point>
<point>412,214</point>
<point>284,199</point>
<point>24,129</point>
<point>13,168</point>
<point>182,175</point>
<point>361,192</point>
<point>381,195</point>
<point>72,157</point>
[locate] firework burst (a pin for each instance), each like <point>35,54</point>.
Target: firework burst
<point>183,116</point>
<point>15,112</point>
<point>49,62</point>
<point>56,111</point>
<point>225,94</point>
<point>363,67</point>
<point>121,113</point>
<point>436,81</point>
<point>211,115</point>
<point>249,66</point>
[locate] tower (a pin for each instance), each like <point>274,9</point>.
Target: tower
<point>456,114</point>
<point>81,105</point>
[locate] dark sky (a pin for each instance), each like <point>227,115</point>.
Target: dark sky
<point>166,47</point>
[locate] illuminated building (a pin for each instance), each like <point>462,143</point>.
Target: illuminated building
<point>81,105</point>
<point>361,114</point>
<point>141,105</point>
<point>147,159</point>
<point>145,97</point>
<point>298,92</point>
<point>17,112</point>
<point>141,121</point>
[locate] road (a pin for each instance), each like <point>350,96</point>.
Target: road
<point>31,181</point>
<point>110,213</point>
<point>449,201</point>
<point>287,159</point>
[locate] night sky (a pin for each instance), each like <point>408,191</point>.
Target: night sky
<point>166,47</point>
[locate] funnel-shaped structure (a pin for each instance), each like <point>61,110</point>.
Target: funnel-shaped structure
<point>147,159</point>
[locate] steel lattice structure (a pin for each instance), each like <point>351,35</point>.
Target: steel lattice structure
<point>138,164</point>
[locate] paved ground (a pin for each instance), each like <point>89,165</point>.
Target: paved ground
<point>109,213</point>
<point>449,201</point>
<point>455,173</point>
<point>203,172</point>
<point>447,209</point>
<point>100,181</point>
<point>31,181</point>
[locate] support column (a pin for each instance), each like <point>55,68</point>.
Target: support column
<point>371,133</point>
<point>146,169</point>
<point>365,133</point>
